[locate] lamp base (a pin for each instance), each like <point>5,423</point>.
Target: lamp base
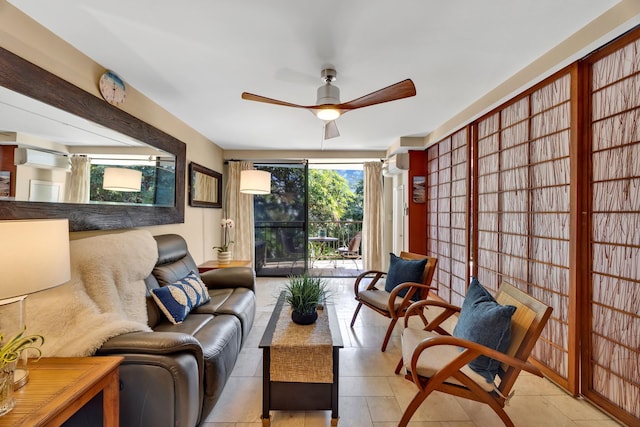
<point>20,378</point>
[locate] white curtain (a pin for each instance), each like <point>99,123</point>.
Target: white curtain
<point>239,207</point>
<point>373,217</point>
<point>79,180</point>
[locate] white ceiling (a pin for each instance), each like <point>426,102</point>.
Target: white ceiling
<point>196,57</point>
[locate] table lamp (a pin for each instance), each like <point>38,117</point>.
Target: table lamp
<point>122,179</point>
<point>34,256</point>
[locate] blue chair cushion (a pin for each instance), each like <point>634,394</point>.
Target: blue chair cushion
<point>484,321</point>
<point>404,270</point>
<point>178,299</point>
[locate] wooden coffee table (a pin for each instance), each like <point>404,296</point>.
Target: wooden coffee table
<point>299,396</point>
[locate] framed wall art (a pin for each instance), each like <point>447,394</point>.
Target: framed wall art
<point>418,189</point>
<point>205,187</point>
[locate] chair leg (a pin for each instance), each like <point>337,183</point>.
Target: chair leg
<point>412,408</point>
<point>355,314</point>
<point>399,366</point>
<point>388,334</point>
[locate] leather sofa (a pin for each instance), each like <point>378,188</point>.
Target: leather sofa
<point>174,375</point>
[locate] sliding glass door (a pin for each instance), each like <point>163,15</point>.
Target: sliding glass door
<point>281,221</point>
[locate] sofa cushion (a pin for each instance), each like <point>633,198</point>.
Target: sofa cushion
<point>484,321</point>
<point>404,270</point>
<point>240,302</point>
<point>178,299</point>
<point>434,358</point>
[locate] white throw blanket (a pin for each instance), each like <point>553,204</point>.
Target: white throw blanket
<point>104,298</point>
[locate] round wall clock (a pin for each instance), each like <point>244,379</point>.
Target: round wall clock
<point>112,88</point>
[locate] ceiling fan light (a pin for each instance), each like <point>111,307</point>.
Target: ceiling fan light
<point>327,114</point>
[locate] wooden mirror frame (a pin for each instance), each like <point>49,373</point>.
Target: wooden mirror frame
<point>21,76</point>
<point>194,169</point>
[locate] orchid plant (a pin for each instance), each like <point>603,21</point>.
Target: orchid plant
<point>226,224</point>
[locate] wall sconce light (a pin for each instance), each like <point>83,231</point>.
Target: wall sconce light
<point>122,179</point>
<point>35,257</point>
<point>254,181</point>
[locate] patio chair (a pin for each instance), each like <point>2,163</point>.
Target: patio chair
<point>290,251</point>
<point>407,280</point>
<point>352,250</point>
<point>468,363</point>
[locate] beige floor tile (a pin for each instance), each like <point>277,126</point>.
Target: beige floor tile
<point>218,425</point>
<point>384,409</point>
<point>576,409</point>
<point>597,423</point>
<point>453,424</point>
<point>437,407</point>
<point>525,411</point>
<point>287,419</point>
<point>241,401</point>
<point>317,419</point>
<point>354,412</point>
<point>249,361</point>
<point>366,362</point>
<point>402,388</point>
<point>365,386</point>
<point>528,385</point>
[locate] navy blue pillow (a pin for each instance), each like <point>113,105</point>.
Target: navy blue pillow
<point>178,299</point>
<point>404,270</point>
<point>484,321</point>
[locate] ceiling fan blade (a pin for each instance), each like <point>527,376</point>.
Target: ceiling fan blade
<point>251,97</point>
<point>400,90</point>
<point>331,130</point>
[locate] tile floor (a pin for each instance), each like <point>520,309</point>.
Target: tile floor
<point>371,395</point>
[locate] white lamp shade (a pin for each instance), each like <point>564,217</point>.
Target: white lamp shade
<point>255,182</point>
<point>34,256</point>
<point>122,179</point>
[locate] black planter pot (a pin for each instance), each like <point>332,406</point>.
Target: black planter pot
<point>304,319</point>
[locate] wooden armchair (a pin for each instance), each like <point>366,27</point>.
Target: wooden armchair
<point>391,304</point>
<point>435,360</point>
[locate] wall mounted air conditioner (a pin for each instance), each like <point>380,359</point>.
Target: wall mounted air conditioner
<point>40,159</point>
<point>395,164</point>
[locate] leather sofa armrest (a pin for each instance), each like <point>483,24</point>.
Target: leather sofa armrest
<point>152,343</point>
<point>230,277</point>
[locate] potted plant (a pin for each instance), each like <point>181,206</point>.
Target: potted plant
<point>9,354</point>
<point>303,293</point>
<point>224,250</point>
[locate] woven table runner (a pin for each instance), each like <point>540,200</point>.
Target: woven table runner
<point>302,354</point>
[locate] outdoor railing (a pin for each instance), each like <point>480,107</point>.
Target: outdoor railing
<point>286,241</point>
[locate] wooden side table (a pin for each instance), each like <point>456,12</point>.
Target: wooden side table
<point>214,264</point>
<point>59,386</point>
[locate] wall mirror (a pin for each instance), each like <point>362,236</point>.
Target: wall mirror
<point>205,187</point>
<point>66,123</point>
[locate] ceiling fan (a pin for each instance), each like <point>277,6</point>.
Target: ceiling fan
<point>328,107</point>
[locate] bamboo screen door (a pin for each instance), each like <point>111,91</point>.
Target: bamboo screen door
<point>447,191</point>
<point>523,223</point>
<point>611,364</point>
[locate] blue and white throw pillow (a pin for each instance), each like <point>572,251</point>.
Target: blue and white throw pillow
<point>178,299</point>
